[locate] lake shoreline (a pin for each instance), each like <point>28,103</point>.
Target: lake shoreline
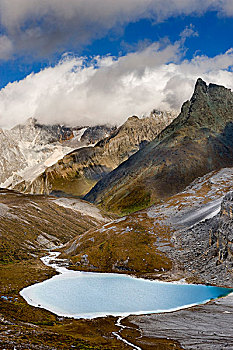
<point>100,328</point>
<point>132,325</point>
<point>60,266</point>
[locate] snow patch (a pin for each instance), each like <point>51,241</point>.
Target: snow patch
<point>82,207</point>
<point>78,134</point>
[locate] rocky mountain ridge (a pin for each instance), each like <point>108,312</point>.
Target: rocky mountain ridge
<point>198,141</point>
<point>78,171</point>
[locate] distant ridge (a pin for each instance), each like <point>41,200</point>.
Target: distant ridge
<point>77,172</point>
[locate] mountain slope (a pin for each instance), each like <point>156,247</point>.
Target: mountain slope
<point>177,238</point>
<point>222,233</point>
<point>30,224</point>
<point>79,171</point>
<point>11,158</point>
<point>198,141</point>
<point>30,144</point>
<point>28,149</point>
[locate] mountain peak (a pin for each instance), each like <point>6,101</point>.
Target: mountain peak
<point>131,119</point>
<point>198,141</point>
<point>200,86</point>
<point>31,121</point>
<point>200,82</point>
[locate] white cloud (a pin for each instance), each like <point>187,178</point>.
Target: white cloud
<point>109,89</point>
<point>6,47</point>
<point>188,32</point>
<point>43,26</point>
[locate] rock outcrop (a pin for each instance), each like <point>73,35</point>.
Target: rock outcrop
<point>198,141</point>
<point>222,232</point>
<point>96,133</point>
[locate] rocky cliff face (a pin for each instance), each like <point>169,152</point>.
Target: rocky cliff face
<point>198,141</point>
<point>79,171</point>
<point>222,232</point>
<point>94,134</point>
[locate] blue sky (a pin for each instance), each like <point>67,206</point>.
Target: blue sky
<point>71,50</point>
<point>214,37</point>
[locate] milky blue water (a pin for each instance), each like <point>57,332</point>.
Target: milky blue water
<point>88,295</point>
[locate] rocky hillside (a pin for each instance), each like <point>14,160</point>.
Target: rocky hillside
<point>184,236</point>
<point>198,141</point>
<point>222,232</point>
<point>30,224</point>
<point>94,134</point>
<point>79,171</point>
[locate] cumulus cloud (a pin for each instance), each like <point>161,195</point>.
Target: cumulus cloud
<point>109,89</point>
<point>42,27</point>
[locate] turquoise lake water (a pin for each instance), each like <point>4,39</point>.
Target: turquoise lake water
<point>88,295</point>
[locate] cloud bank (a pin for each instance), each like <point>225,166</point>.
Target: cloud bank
<point>108,89</point>
<point>42,27</point>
